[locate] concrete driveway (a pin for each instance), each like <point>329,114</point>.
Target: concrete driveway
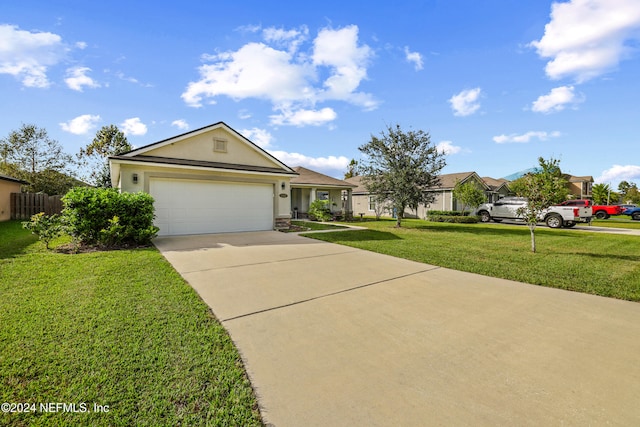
<point>336,336</point>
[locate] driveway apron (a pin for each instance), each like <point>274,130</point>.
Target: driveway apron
<point>332,335</point>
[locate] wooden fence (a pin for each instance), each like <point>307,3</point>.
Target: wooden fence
<point>24,205</point>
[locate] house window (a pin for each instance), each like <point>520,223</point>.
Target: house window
<point>219,145</point>
<point>372,203</point>
<point>322,195</point>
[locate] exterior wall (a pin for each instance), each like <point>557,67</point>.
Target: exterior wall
<point>6,188</point>
<point>580,190</point>
<point>282,205</point>
<point>200,147</point>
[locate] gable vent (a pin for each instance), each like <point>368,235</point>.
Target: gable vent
<point>219,145</point>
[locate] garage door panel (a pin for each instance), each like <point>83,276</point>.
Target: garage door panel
<point>194,207</point>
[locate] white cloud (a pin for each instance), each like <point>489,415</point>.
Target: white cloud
<point>294,81</point>
<point>317,163</point>
<point>77,78</point>
<point>587,38</point>
<point>618,173</point>
<point>81,125</point>
<point>81,45</point>
<point>339,50</point>
<point>292,39</point>
<point>260,137</point>
<point>556,100</point>
<point>133,126</point>
<point>447,147</point>
<point>254,71</point>
<point>525,137</point>
<point>180,124</point>
<point>27,56</point>
<point>466,102</point>
<point>304,117</point>
<point>415,58</point>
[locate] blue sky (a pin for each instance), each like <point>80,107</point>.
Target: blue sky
<point>497,84</point>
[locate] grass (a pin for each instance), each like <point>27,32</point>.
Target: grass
<point>596,263</point>
<point>311,225</point>
<point>618,221</point>
<point>120,329</point>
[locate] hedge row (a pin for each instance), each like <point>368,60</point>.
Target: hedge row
<point>452,217</point>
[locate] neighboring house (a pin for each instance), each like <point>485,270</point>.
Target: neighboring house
<point>309,186</point>
<point>580,186</point>
<point>364,202</point>
<point>8,185</point>
<point>209,180</point>
<point>497,188</point>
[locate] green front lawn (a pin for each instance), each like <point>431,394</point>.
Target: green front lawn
<point>617,221</point>
<point>120,329</point>
<point>596,263</point>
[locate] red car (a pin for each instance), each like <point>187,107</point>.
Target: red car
<point>599,211</point>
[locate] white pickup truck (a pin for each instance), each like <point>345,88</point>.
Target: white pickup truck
<point>553,216</point>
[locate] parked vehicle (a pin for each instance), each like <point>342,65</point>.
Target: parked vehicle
<point>633,213</point>
<point>625,208</point>
<point>599,211</point>
<point>553,216</point>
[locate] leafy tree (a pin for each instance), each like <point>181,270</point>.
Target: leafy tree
<point>542,189</point>
<point>30,155</point>
<point>109,141</point>
<point>629,192</point>
<point>469,194</point>
<point>46,227</point>
<point>399,166</point>
<point>352,169</point>
<point>602,194</point>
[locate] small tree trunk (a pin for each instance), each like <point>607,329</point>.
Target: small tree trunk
<point>533,238</point>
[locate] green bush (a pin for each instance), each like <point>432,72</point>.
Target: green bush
<point>319,210</point>
<point>447,213</point>
<point>458,219</point>
<point>46,227</point>
<point>105,216</point>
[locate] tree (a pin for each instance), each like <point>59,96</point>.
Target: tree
<point>602,194</point>
<point>542,189</point>
<point>109,141</point>
<point>469,194</point>
<point>629,192</point>
<point>352,169</point>
<point>29,154</point>
<point>399,166</point>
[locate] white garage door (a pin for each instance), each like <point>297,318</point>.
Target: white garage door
<point>186,206</point>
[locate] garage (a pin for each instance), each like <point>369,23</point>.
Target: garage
<point>187,206</point>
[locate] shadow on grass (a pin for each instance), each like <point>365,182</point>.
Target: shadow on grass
<point>14,239</point>
<point>632,258</point>
<point>353,236</point>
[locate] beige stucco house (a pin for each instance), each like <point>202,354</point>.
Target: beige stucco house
<point>8,185</point>
<point>209,180</point>
<point>364,202</point>
<point>311,185</point>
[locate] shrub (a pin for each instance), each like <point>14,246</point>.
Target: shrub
<point>319,210</point>
<point>447,213</point>
<point>46,227</point>
<point>457,219</point>
<point>107,217</point>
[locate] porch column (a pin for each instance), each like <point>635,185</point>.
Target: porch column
<point>349,206</point>
<point>312,196</point>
